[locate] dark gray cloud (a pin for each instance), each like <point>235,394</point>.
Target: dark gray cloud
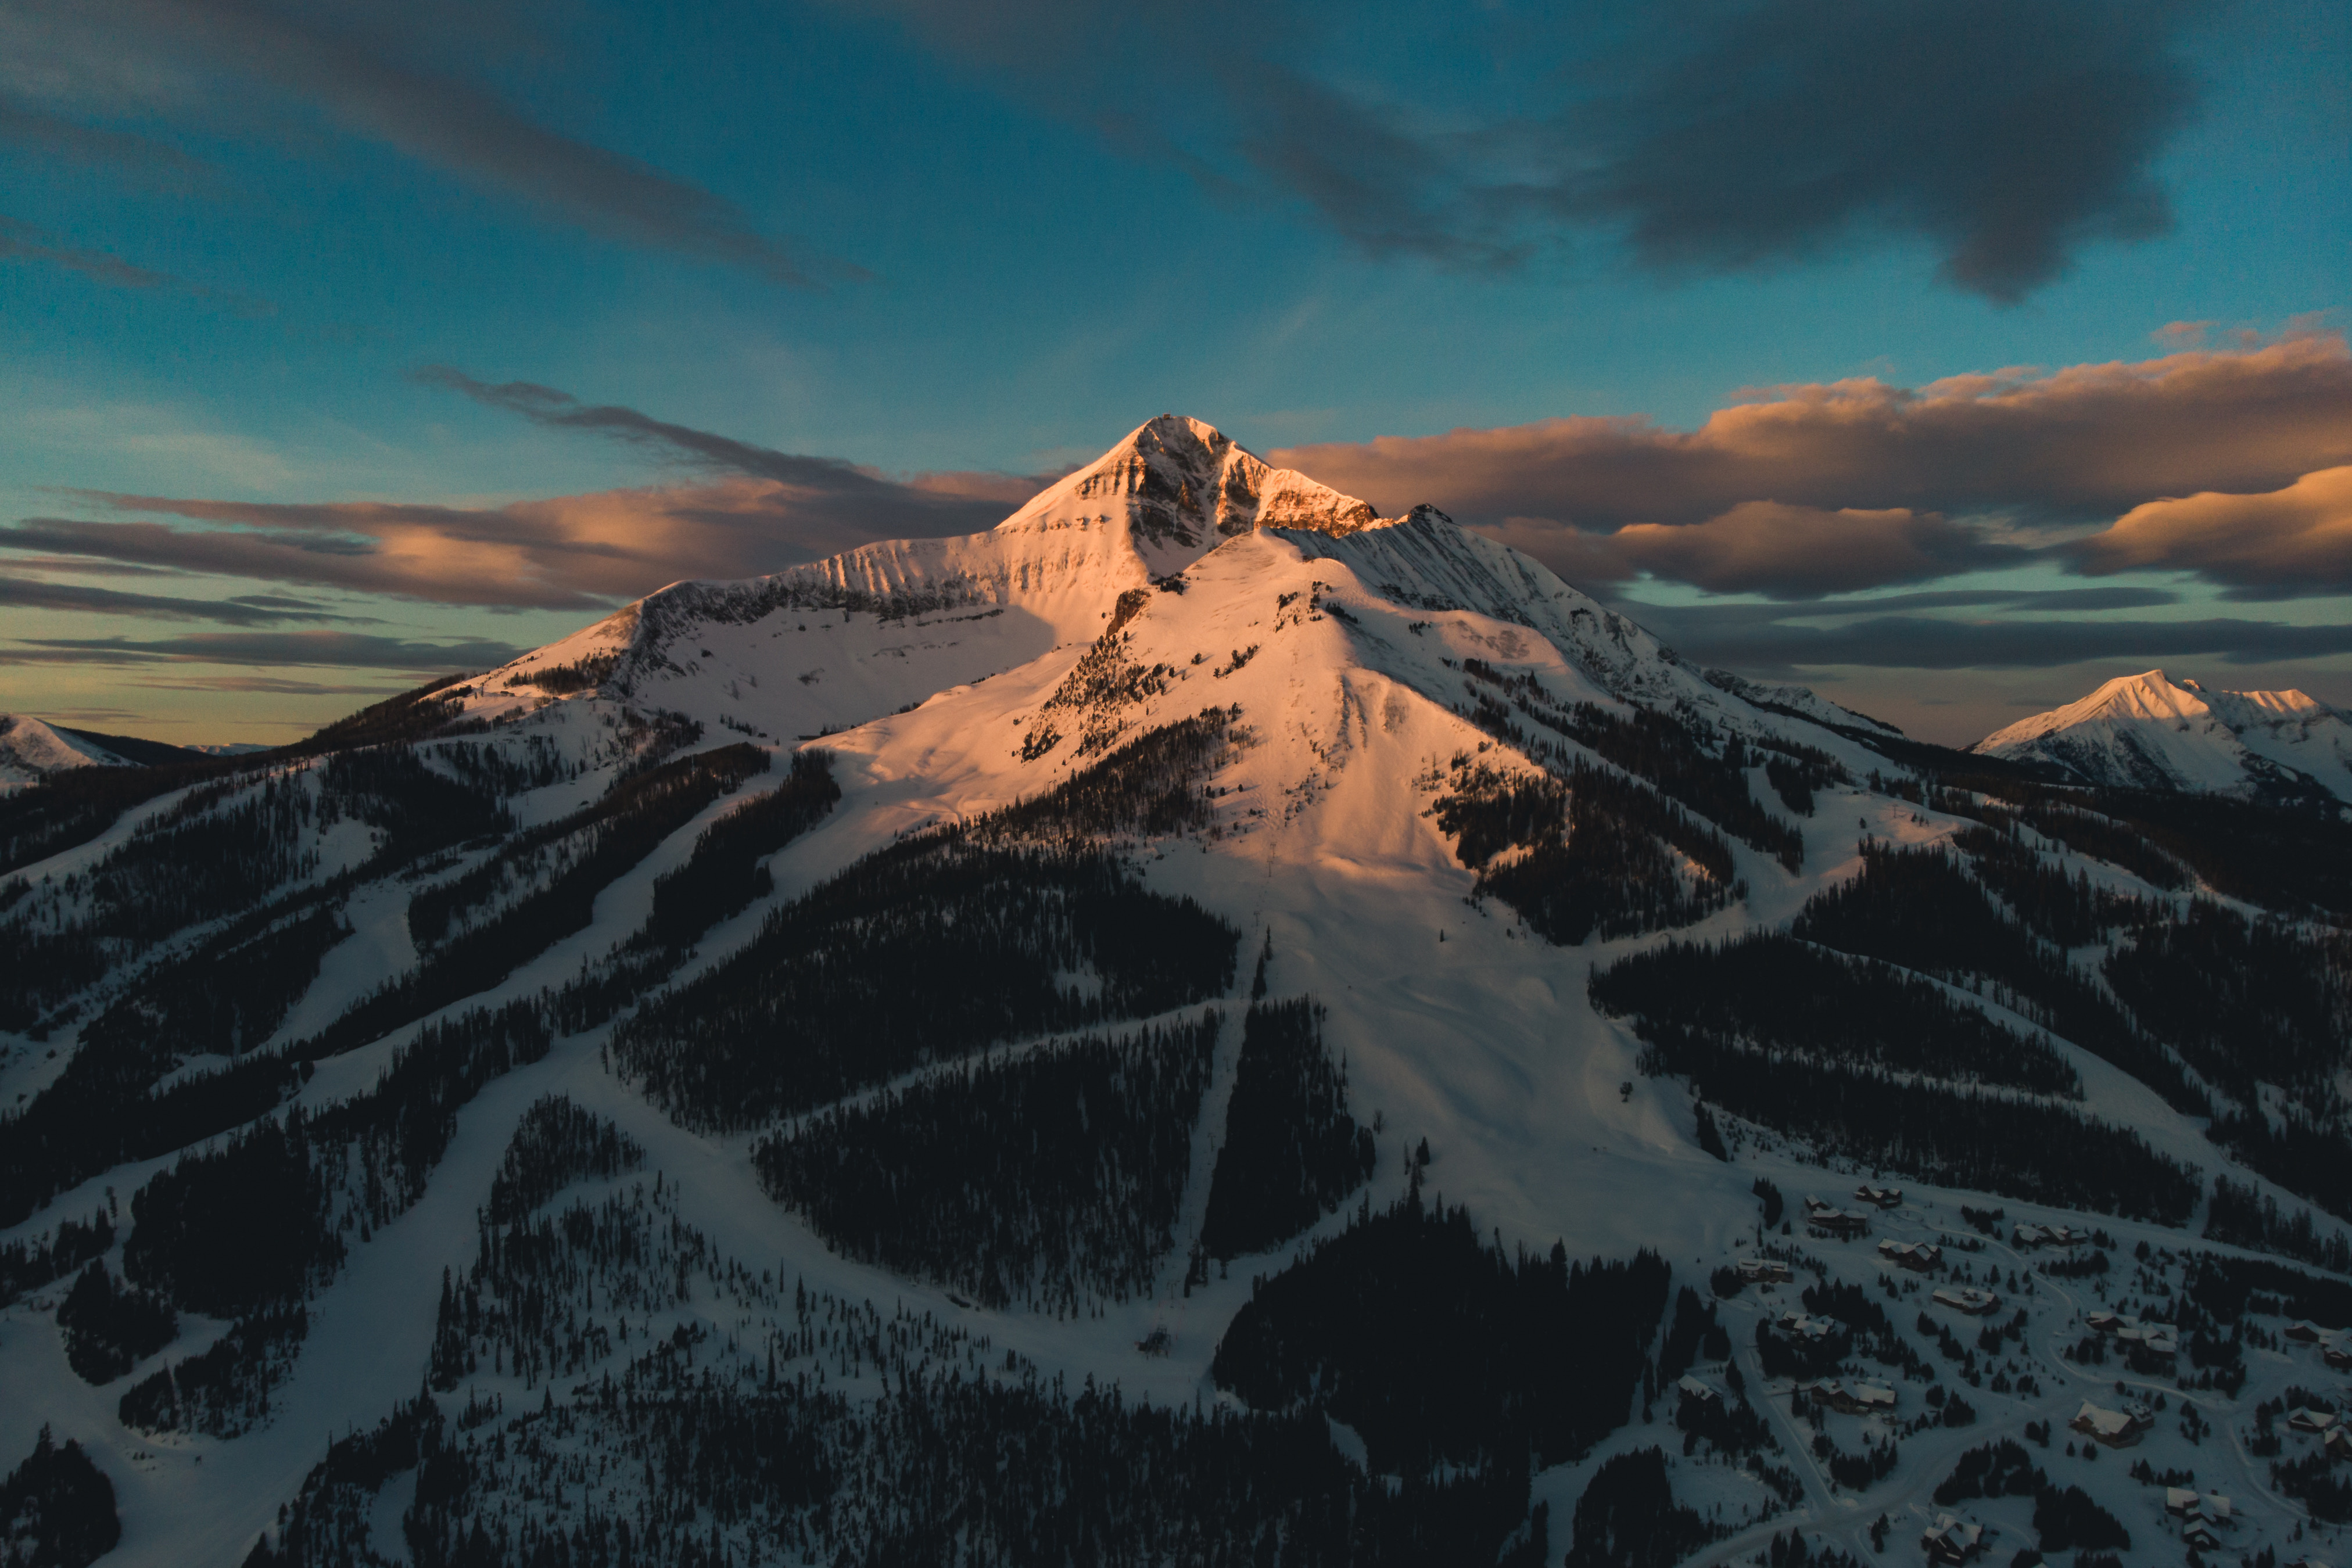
<point>1769,644</point>
<point>269,685</point>
<point>250,610</point>
<point>1715,136</point>
<point>2005,134</point>
<point>341,650</point>
<point>381,75</point>
<point>89,565</point>
<point>1768,548</point>
<point>671,443</point>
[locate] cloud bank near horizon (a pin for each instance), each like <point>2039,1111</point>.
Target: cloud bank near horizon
<point>1808,490</point>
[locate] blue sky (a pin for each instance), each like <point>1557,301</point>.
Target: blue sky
<point>938,240</point>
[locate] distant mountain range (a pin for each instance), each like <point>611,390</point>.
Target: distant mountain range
<point>31,749</point>
<point>1204,1024</point>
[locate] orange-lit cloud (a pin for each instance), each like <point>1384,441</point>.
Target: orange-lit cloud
<point>2082,444</point>
<point>567,552</point>
<point>2281,543</point>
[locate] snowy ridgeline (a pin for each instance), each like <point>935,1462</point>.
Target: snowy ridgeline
<point>1145,1036</point>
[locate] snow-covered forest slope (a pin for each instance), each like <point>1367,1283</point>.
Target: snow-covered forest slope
<point>1204,1025</point>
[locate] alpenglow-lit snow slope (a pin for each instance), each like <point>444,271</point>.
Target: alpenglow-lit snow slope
<point>31,750</point>
<point>1202,1025</point>
<point>2152,732</point>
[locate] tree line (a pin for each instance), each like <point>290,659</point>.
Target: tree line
<point>1593,850</point>
<point>1291,1153</point>
<point>1051,1179</point>
<point>931,948</point>
<point>1919,909</point>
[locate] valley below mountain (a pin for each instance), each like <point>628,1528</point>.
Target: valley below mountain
<point>1202,1025</point>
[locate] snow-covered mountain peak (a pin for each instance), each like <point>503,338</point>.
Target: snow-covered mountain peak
<point>30,751</point>
<point>1179,485</point>
<point>2151,731</point>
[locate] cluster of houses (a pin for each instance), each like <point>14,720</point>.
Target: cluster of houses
<point>2156,1339</point>
<point>1919,1257</point>
<point>1971,1299</point>
<point>2332,1349</point>
<point>1879,1196</point>
<point>2112,1428</point>
<point>2323,1424</point>
<point>2202,1515</point>
<point>1850,1398</point>
<point>2029,1236</point>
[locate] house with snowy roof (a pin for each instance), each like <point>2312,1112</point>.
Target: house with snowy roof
<point>1952,1541</point>
<point>1883,1196</point>
<point>1764,1270</point>
<point>1971,1299</point>
<point>2113,1429</point>
<point>1851,1398</point>
<point>2307,1419</point>
<point>1919,1257</point>
<point>1842,1223</point>
<point>2032,1236</point>
<point>1805,1329</point>
<point>2186,1504</point>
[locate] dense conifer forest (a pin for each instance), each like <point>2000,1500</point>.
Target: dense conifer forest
<point>725,873</point>
<point>110,1327</point>
<point>851,1435</point>
<point>1050,1179</point>
<point>2071,911</point>
<point>930,949</point>
<point>555,1145</point>
<point>56,1510</point>
<point>1147,787</point>
<point>1291,1153</point>
<point>1780,998</point>
<point>226,997</point>
<point>1628,1517</point>
<point>2244,1216</point>
<point>540,888</point>
<point>29,1264</point>
<point>249,1230</point>
<point>1918,909</point>
<point>1864,1106</point>
<point>1591,851</point>
<point>1669,753</point>
<point>219,850</point>
<point>1440,1348</point>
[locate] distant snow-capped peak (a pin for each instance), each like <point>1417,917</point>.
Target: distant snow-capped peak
<point>31,750</point>
<point>2149,731</point>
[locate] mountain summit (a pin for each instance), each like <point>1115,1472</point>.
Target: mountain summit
<point>2150,732</point>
